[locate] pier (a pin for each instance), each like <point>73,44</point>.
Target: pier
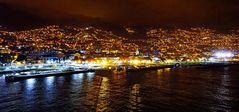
<point>14,78</point>
<point>19,75</point>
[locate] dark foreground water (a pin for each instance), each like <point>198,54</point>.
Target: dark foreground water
<point>175,90</point>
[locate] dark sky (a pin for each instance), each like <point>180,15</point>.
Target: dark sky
<point>123,12</point>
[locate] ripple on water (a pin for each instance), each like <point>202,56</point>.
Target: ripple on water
<point>174,90</point>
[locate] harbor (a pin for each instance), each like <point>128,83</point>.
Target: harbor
<point>39,73</point>
<point>60,70</point>
<point>86,90</point>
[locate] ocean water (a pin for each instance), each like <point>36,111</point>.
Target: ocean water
<point>165,90</point>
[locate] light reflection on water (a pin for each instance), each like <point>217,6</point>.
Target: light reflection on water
<point>163,71</point>
<point>90,75</point>
<point>184,89</point>
<point>223,94</point>
<point>77,77</point>
<point>30,84</point>
<point>102,100</point>
<point>135,98</point>
<point>49,90</point>
<point>49,81</point>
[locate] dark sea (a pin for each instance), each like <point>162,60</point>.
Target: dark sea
<point>165,90</point>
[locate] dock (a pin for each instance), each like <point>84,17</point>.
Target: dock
<point>15,78</point>
<point>15,71</point>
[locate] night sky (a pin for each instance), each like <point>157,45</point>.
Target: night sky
<point>121,12</point>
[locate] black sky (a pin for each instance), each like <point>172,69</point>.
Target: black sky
<point>122,12</point>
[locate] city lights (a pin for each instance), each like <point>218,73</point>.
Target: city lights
<point>223,54</point>
<point>119,55</point>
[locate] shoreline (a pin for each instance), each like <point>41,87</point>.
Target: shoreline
<point>15,78</point>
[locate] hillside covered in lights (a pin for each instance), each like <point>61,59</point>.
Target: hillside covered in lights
<point>176,44</point>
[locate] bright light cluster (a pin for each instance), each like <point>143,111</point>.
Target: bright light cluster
<point>223,54</point>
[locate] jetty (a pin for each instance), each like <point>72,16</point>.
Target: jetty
<point>39,73</point>
<point>14,78</point>
<point>22,76</point>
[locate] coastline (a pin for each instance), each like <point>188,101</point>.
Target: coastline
<point>15,78</point>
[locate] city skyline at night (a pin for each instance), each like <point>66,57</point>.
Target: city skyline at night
<point>119,55</point>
